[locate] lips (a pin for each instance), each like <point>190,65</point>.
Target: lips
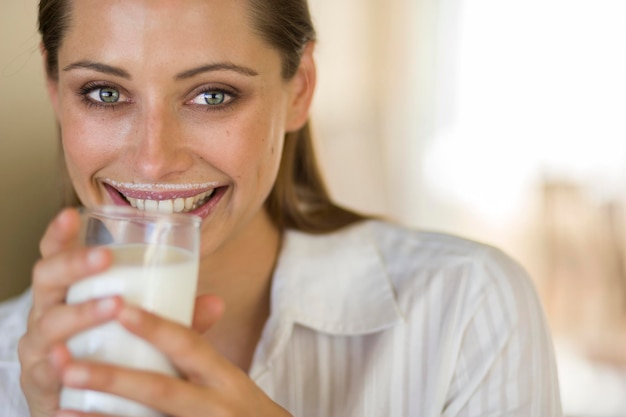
<point>166,198</point>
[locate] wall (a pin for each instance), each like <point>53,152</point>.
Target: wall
<point>28,147</point>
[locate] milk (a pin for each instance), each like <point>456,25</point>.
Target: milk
<point>160,279</point>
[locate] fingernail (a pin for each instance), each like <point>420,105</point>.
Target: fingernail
<point>63,413</point>
<point>76,375</point>
<point>55,359</point>
<point>106,306</point>
<point>96,257</point>
<point>60,218</point>
<point>130,315</point>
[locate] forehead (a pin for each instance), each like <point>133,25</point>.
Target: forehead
<point>162,32</point>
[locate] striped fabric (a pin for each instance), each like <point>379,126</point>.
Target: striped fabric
<point>377,320</point>
<point>380,321</point>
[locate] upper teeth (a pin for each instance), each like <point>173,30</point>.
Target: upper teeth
<point>176,205</point>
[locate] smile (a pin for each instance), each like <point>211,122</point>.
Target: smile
<point>177,205</point>
<point>165,198</point>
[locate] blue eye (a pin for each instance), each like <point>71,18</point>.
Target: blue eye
<point>212,98</point>
<point>105,95</point>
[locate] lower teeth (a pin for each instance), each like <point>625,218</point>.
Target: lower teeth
<point>200,202</point>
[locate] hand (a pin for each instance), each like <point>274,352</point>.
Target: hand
<point>42,350</point>
<point>210,384</point>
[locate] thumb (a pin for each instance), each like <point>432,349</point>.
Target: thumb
<point>61,233</point>
<point>208,310</point>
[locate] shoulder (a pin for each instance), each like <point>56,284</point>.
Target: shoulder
<point>416,264</point>
<point>407,252</point>
<point>13,320</point>
<point>478,308</point>
<point>385,272</point>
<point>447,271</point>
<point>464,308</point>
<point>429,250</point>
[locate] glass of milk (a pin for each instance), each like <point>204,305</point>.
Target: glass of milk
<point>155,267</point>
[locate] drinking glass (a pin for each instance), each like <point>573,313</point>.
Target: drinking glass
<point>155,267</point>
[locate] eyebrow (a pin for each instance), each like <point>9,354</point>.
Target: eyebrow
<point>96,66</point>
<point>223,66</point>
<point>108,69</point>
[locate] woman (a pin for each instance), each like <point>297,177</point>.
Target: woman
<point>304,308</point>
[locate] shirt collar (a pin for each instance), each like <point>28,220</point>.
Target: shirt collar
<point>334,283</point>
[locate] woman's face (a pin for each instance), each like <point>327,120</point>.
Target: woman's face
<point>174,108</point>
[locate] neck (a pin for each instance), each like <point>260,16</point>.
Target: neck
<point>240,274</point>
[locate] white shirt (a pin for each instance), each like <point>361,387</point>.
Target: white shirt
<point>377,320</point>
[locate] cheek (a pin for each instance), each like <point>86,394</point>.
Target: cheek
<point>89,143</point>
<point>83,149</point>
<point>248,148</point>
<point>266,140</point>
<point>268,169</point>
<point>77,143</point>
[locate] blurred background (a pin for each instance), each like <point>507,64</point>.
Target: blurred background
<point>501,121</point>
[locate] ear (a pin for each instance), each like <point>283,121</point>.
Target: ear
<point>302,87</point>
<point>52,85</point>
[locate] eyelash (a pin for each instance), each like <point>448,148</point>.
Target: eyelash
<point>231,97</point>
<point>87,89</point>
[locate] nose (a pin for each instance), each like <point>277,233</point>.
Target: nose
<point>160,151</point>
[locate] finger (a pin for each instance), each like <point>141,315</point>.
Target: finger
<point>187,350</point>
<point>162,392</point>
<point>74,413</point>
<point>59,358</point>
<point>208,310</point>
<point>66,320</point>
<point>53,276</point>
<point>42,350</point>
<point>61,233</point>
<point>44,376</point>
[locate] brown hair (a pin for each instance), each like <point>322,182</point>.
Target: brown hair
<point>299,199</point>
